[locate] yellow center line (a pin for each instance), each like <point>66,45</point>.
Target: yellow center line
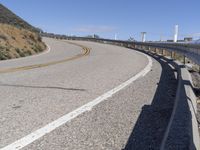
<point>86,51</point>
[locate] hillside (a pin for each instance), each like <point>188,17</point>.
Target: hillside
<point>8,17</point>
<point>17,37</point>
<point>16,42</point>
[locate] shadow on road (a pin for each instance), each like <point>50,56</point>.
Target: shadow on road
<point>42,87</point>
<point>152,122</point>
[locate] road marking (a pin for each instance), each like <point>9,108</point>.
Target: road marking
<point>19,144</point>
<point>86,51</point>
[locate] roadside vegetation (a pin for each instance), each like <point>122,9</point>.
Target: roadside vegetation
<point>17,42</point>
<point>17,37</point>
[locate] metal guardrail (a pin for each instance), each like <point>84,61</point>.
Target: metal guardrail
<point>189,50</point>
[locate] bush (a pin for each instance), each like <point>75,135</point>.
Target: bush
<point>2,55</point>
<point>17,50</point>
<point>13,38</point>
<point>31,36</point>
<point>2,48</point>
<point>3,37</point>
<point>39,39</point>
<point>20,52</point>
<point>28,53</point>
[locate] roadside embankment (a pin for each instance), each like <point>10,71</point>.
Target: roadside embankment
<point>17,42</point>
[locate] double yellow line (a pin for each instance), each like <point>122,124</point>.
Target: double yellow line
<point>86,51</point>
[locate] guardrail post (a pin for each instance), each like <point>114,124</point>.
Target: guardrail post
<point>184,59</point>
<point>155,50</point>
<point>158,51</point>
<point>172,55</point>
<point>199,68</point>
<point>162,51</point>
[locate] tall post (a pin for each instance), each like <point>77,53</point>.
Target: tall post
<point>115,36</point>
<point>199,69</point>
<point>184,59</point>
<point>171,54</point>
<point>143,36</point>
<point>176,33</point>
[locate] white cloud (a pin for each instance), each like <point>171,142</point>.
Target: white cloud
<point>95,29</point>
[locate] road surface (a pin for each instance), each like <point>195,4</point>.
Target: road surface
<point>34,94</point>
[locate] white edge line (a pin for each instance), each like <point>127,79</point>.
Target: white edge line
<point>19,144</point>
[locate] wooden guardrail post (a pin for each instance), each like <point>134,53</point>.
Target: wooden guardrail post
<point>199,68</point>
<point>184,59</point>
<point>162,52</point>
<point>155,50</point>
<point>171,54</point>
<point>149,48</point>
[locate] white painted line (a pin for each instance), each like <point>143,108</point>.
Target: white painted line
<point>64,119</point>
<point>31,56</point>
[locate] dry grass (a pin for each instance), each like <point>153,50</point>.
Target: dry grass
<point>15,42</point>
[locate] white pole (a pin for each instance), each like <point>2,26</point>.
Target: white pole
<point>176,33</point>
<point>143,36</point>
<point>115,36</point>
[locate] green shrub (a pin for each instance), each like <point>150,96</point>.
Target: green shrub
<point>32,37</point>
<point>39,39</point>
<point>2,55</point>
<point>3,37</point>
<point>17,50</point>
<point>27,53</point>
<point>13,38</point>
<point>20,52</point>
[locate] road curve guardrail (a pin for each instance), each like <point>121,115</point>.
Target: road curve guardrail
<point>189,50</point>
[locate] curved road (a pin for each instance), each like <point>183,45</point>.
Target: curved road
<point>30,99</point>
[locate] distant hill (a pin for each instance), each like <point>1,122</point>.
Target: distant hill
<point>17,37</point>
<point>8,17</point>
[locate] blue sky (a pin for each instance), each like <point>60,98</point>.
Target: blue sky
<point>106,17</point>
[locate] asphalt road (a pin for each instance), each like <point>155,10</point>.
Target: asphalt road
<point>30,99</point>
